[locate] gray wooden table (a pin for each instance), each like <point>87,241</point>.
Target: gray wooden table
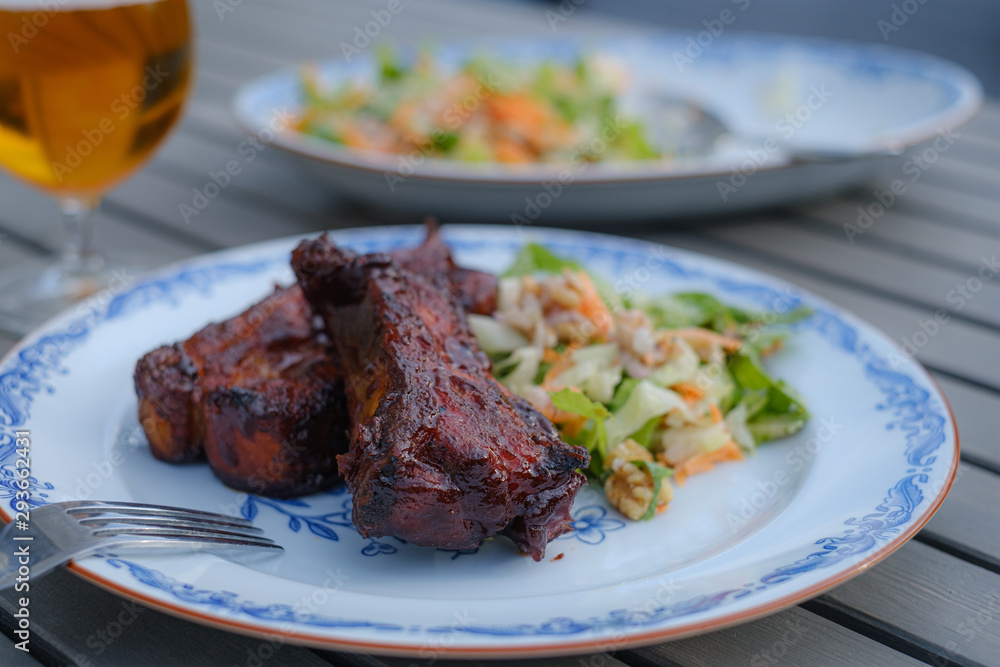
<point>936,600</point>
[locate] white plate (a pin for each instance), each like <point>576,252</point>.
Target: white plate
<point>746,539</point>
<point>803,93</point>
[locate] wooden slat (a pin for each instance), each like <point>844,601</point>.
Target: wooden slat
<point>924,238</point>
<point>34,216</point>
<point>980,149</point>
<point>226,221</point>
<point>74,622</point>
<point>970,206</point>
<point>987,123</point>
<point>428,658</point>
<point>792,637</point>
<point>958,348</point>
<point>924,202</point>
<point>977,412</point>
<point>266,181</point>
<point>962,176</point>
<point>899,278</point>
<point>959,525</point>
<point>923,602</point>
<point>11,656</point>
<point>7,341</point>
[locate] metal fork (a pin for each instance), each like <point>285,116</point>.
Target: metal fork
<point>56,533</point>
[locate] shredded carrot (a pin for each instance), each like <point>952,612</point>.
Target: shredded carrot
<point>698,335</point>
<point>660,509</point>
<point>773,347</point>
<point>592,306</point>
<point>550,355</point>
<point>353,137</point>
<point>560,364</point>
<point>690,393</point>
<point>716,412</point>
<point>521,112</point>
<point>510,151</point>
<point>705,462</point>
<point>571,424</point>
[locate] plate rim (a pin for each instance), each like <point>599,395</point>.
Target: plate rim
<point>435,170</point>
<point>307,638</point>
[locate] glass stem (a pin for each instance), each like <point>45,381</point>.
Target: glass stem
<point>80,256</point>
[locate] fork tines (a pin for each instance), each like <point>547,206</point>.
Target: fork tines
<point>140,520</point>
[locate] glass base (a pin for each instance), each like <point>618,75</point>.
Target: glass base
<point>30,295</point>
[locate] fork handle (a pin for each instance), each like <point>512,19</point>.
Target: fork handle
<point>10,567</point>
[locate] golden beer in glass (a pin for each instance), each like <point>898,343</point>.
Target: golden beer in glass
<point>88,89</point>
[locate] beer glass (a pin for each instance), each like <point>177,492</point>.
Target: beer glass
<point>88,89</point>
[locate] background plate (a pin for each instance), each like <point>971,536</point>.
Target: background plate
<point>802,93</point>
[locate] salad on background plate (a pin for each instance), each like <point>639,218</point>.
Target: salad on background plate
<point>487,110</point>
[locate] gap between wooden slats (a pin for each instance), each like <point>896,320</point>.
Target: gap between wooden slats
<point>353,660</point>
<point>893,276</point>
<point>75,623</point>
<point>968,177</point>
<point>922,602</point>
<point>927,239</point>
<point>791,637</point>
<point>31,215</point>
<point>977,412</point>
<point>958,525</point>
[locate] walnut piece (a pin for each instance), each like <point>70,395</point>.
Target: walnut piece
<point>630,488</point>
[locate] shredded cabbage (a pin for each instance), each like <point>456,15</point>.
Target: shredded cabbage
<point>678,369</point>
<point>494,336</point>
<point>645,402</point>
<point>518,371</point>
<point>595,371</point>
<point>681,443</point>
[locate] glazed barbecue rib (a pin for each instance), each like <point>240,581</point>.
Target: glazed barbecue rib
<point>441,454</point>
<point>260,393</point>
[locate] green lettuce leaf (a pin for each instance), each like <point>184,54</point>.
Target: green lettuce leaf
<point>536,258</point>
<point>774,410</point>
<point>659,473</point>
<point>568,400</point>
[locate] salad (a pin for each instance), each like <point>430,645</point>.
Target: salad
<point>485,111</point>
<point>655,387</point>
